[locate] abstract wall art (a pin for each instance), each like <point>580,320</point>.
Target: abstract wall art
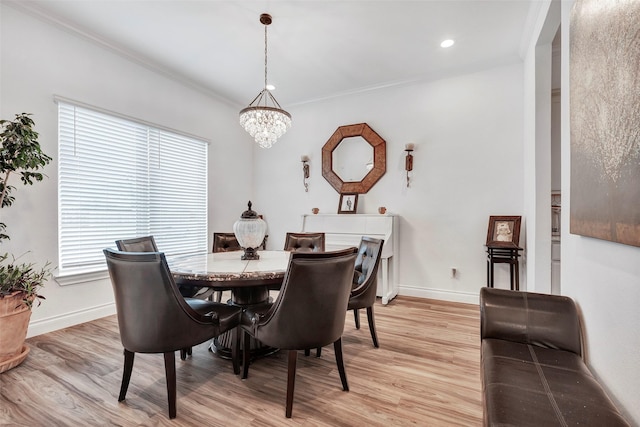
<point>605,120</point>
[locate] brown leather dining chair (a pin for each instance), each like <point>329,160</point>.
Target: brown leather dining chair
<point>307,313</point>
<point>365,284</point>
<point>138,244</point>
<point>154,318</point>
<point>304,242</point>
<point>225,242</point>
<point>148,244</point>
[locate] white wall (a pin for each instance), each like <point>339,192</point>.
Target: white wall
<point>537,144</point>
<point>467,166</point>
<point>39,60</point>
<point>604,279</point>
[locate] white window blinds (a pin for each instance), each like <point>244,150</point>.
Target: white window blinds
<point>119,179</point>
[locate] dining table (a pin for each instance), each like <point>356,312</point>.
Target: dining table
<point>248,280</point>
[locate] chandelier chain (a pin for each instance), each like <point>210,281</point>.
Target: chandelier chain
<point>263,122</point>
<point>265,56</point>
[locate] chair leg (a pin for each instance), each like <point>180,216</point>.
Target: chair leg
<point>372,326</point>
<point>235,350</point>
<point>291,380</point>
<point>318,351</point>
<point>307,351</point>
<point>184,352</point>
<point>245,354</point>
<point>218,296</point>
<point>170,372</point>
<point>126,374</point>
<point>337,346</point>
<point>356,316</point>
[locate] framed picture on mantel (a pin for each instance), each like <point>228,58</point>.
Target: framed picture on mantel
<point>348,204</point>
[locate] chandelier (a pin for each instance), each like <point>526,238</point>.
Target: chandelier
<point>265,123</point>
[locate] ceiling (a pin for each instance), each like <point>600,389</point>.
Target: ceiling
<point>317,48</point>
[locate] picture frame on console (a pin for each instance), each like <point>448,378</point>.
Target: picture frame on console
<point>348,204</point>
<point>503,230</point>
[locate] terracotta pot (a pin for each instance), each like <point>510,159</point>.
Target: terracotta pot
<point>11,303</point>
<point>14,321</point>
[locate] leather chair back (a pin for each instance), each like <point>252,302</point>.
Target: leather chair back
<point>309,310</point>
<point>139,244</point>
<point>148,244</point>
<point>304,242</point>
<point>225,242</point>
<point>365,277</point>
<point>152,315</point>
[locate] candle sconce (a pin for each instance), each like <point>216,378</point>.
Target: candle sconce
<point>408,162</point>
<point>305,172</point>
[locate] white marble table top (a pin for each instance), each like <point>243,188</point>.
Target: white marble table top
<point>228,267</point>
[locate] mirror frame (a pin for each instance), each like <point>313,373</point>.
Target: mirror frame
<point>379,158</point>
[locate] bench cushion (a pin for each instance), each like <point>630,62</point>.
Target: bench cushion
<point>528,385</point>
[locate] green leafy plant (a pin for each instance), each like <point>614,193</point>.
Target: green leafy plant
<point>24,278</point>
<point>20,153</point>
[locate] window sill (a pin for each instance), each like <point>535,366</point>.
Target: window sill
<point>81,278</point>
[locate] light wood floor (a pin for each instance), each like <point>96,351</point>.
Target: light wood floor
<point>425,373</point>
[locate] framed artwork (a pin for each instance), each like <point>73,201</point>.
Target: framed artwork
<point>503,230</point>
<point>348,204</point>
<point>604,111</point>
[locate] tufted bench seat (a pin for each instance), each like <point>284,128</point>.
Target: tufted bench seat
<point>533,373</point>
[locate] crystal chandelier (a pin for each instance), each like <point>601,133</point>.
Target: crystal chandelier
<point>263,122</point>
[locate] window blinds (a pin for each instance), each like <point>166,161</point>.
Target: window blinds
<point>119,179</point>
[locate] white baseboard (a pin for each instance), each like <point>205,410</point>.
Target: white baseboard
<point>65,320</point>
<point>439,294</point>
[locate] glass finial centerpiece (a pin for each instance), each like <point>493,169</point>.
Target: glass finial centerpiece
<point>250,230</point>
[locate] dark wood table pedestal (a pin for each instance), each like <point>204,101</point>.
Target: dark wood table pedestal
<point>249,282</point>
<point>246,298</point>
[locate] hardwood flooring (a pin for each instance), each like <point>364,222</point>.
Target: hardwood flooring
<point>425,373</point>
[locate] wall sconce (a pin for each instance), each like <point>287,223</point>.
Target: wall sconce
<point>408,162</point>
<point>305,172</point>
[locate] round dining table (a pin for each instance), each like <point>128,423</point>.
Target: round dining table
<point>248,280</point>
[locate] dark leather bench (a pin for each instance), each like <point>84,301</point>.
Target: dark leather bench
<point>532,367</point>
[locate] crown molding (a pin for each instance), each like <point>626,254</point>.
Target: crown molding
<point>33,10</point>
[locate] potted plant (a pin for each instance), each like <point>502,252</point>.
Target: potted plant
<point>19,286</point>
<point>20,154</point>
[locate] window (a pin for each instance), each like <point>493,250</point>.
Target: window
<point>119,179</point>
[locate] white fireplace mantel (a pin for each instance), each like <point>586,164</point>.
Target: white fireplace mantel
<point>344,230</point>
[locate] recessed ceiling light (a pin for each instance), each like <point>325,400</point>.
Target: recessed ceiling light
<point>447,43</point>
<point>271,87</point>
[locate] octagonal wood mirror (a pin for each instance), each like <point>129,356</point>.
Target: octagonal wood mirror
<point>354,158</point>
